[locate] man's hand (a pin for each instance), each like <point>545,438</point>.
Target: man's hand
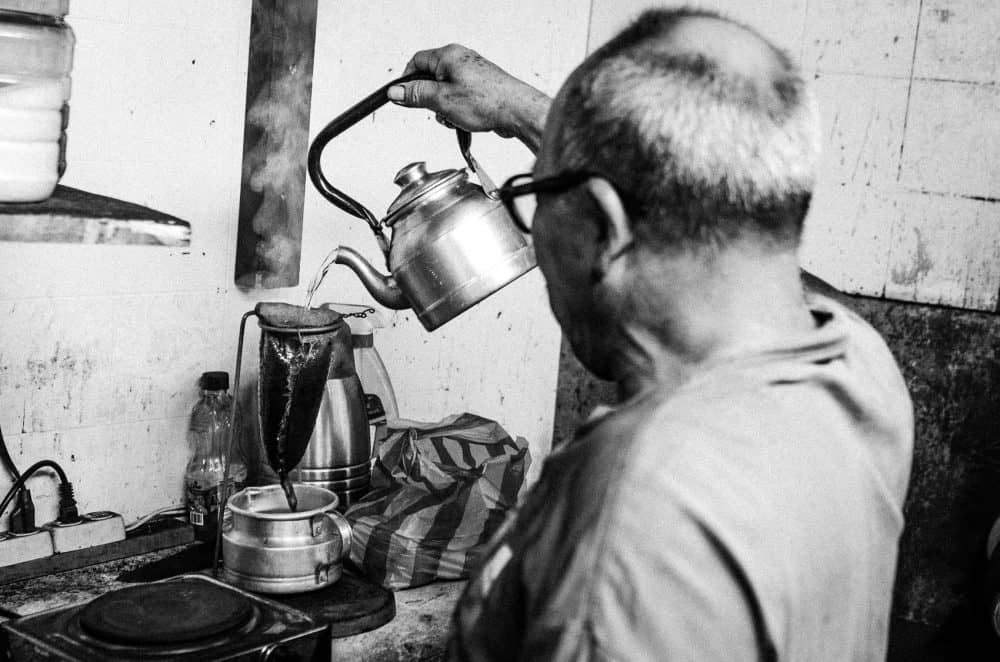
<point>472,93</point>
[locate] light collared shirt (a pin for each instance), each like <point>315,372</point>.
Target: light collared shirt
<point>750,513</point>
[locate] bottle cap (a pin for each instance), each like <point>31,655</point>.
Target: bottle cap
<point>215,381</point>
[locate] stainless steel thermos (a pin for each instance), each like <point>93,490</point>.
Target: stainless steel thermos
<point>339,452</point>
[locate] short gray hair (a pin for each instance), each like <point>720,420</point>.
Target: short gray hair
<point>699,154</point>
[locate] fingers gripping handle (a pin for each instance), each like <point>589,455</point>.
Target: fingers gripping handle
<point>344,121</point>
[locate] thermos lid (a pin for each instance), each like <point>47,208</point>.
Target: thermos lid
<point>217,380</point>
<point>416,182</point>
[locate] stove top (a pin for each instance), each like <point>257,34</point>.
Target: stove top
<point>191,617</point>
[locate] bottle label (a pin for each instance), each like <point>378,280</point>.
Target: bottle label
<point>203,508</point>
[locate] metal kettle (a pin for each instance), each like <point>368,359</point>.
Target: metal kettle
<point>453,243</point>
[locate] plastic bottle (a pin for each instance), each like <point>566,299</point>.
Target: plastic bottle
<point>36,57</point>
<point>380,398</point>
<point>208,436</point>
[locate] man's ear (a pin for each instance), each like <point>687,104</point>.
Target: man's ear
<point>616,231</point>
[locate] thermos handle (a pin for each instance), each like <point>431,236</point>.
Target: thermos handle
<point>344,121</point>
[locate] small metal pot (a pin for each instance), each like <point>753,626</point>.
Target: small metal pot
<point>267,549</point>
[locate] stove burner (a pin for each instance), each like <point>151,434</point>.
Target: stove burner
<point>172,612</point>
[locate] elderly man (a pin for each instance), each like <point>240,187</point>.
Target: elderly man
<point>743,500</point>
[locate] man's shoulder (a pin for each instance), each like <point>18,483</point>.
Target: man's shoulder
<point>872,368</point>
<point>735,447</point>
<point>859,333</point>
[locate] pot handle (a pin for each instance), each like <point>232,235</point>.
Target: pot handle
<point>341,123</point>
<point>343,527</point>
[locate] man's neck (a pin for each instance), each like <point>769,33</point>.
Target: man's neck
<point>708,308</point>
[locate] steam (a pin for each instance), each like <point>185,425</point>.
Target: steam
<point>274,167</point>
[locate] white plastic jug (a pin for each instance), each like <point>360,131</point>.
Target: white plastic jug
<point>36,56</point>
<point>379,394</point>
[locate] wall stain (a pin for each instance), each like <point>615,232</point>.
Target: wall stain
<point>918,269</point>
<point>46,372</point>
<point>57,381</point>
<point>944,15</point>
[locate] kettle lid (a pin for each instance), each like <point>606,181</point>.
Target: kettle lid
<point>416,182</point>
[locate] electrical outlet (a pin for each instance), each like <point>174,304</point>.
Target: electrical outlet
<point>18,548</point>
<point>97,528</point>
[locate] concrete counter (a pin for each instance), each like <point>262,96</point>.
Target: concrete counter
<point>417,632</point>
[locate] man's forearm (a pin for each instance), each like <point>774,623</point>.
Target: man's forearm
<point>528,118</point>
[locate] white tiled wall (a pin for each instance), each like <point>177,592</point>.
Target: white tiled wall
<point>101,346</point>
<point>907,203</point>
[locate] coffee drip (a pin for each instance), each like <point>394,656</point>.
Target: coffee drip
<point>291,369</point>
<point>296,346</point>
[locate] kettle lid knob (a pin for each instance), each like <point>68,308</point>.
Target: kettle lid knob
<point>411,173</point>
<point>416,182</point>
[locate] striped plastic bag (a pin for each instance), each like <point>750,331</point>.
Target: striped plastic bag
<point>438,492</point>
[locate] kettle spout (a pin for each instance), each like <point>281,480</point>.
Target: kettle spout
<point>384,289</point>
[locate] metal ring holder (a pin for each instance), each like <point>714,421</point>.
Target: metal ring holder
<point>224,485</point>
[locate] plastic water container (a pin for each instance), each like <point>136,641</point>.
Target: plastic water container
<point>36,57</point>
<point>380,397</point>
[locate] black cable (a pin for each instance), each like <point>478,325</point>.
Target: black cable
<point>19,483</point>
<point>22,519</point>
<point>5,456</point>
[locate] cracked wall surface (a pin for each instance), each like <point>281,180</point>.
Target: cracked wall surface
<point>908,202</point>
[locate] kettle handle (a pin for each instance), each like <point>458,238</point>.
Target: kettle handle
<point>341,123</point>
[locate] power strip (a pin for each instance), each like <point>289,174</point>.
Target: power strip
<point>21,547</point>
<point>97,528</point>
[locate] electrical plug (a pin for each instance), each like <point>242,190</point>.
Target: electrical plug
<point>22,518</point>
<point>68,513</point>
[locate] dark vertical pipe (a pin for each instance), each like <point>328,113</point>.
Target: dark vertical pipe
<point>275,143</point>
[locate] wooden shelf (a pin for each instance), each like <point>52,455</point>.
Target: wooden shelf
<point>72,216</point>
